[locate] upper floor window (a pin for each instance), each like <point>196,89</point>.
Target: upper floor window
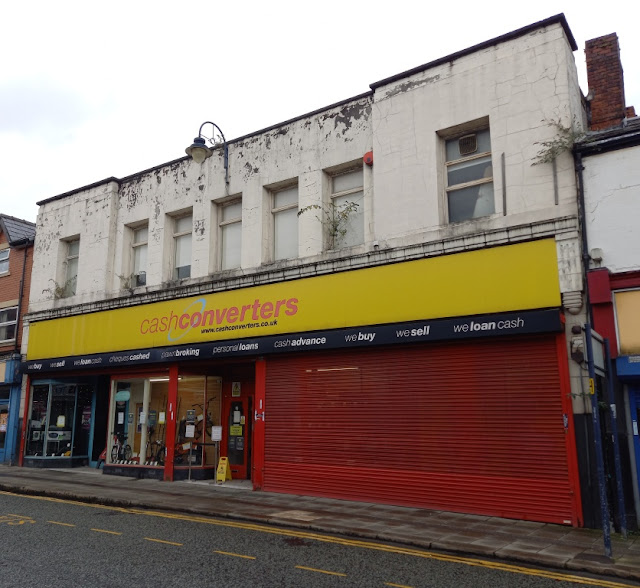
<point>182,230</point>
<point>71,268</point>
<point>4,261</point>
<point>230,233</point>
<point>139,247</point>
<point>347,210</point>
<point>8,322</point>
<point>284,208</point>
<point>469,176</point>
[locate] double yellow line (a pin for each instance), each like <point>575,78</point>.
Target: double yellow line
<point>489,564</point>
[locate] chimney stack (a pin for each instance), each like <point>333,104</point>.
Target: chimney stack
<point>606,82</point>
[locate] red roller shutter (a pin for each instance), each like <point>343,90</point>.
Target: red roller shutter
<point>472,427</point>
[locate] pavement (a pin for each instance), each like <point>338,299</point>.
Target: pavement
<point>542,544</point>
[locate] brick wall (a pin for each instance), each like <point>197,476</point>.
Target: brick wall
<point>606,82</point>
<point>10,285</point>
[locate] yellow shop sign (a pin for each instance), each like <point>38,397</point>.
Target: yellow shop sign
<point>514,277</point>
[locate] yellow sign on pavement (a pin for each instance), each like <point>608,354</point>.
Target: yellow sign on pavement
<point>224,471</point>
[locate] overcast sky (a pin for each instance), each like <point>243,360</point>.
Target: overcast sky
<point>91,90</point>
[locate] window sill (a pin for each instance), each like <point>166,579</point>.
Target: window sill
<point>475,219</point>
<point>344,248</point>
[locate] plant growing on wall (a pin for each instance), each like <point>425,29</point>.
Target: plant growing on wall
<point>335,217</point>
<point>564,140</point>
<point>62,290</point>
<point>127,282</point>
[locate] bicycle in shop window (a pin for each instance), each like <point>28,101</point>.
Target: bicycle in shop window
<point>121,450</point>
<point>154,453</point>
<point>204,420</point>
<point>182,453</point>
<point>157,451</point>
<point>186,449</point>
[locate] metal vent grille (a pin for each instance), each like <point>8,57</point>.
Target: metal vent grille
<point>468,144</point>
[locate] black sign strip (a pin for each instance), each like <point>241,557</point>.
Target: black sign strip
<point>512,323</point>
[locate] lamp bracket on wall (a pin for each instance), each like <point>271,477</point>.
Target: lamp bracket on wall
<point>199,151</point>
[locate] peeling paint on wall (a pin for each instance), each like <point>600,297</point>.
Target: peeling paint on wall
<point>410,85</point>
<point>347,115</point>
<point>198,227</point>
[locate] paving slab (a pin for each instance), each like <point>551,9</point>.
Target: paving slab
<point>489,543</point>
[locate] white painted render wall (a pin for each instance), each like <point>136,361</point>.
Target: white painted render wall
<point>612,207</point>
<point>519,84</point>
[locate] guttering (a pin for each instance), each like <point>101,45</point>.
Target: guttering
<point>620,140</point>
<point>582,223</point>
<point>20,243</point>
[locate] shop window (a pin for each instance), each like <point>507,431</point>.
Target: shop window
<point>182,232</point>
<point>4,261</point>
<point>284,209</point>
<point>198,410</point>
<point>139,419</point>
<point>230,233</point>
<point>139,252</point>
<point>469,175</point>
<point>60,420</point>
<point>8,323</point>
<point>347,209</point>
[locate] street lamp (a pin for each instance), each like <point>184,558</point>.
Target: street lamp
<point>199,150</point>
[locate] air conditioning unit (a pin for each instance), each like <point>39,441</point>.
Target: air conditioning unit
<point>468,144</point>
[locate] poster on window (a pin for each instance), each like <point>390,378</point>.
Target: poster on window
<point>3,422</point>
<point>86,418</point>
<point>142,418</point>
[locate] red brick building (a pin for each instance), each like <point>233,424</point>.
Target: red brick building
<point>16,258</point>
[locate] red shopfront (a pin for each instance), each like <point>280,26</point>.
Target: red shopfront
<point>405,390</point>
<point>478,426</point>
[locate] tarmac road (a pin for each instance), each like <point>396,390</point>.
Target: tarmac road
<point>49,542</point>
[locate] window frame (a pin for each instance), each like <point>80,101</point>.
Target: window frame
<point>139,278</point>
<point>8,323</point>
<point>71,282</point>
<point>335,241</point>
<point>275,210</point>
<point>6,260</point>
<point>222,224</point>
<point>451,189</point>
<point>177,235</point>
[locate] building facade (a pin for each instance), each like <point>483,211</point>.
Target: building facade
<point>369,301</point>
<point>16,258</point>
<point>608,158</point>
